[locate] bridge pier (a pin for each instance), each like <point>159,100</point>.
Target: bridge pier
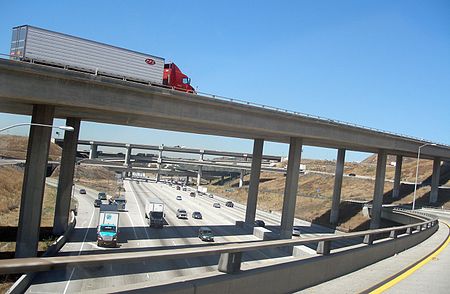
<point>379,190</point>
<point>34,182</point>
<point>397,177</point>
<point>199,176</point>
<point>65,180</point>
<point>339,174</point>
<point>159,162</point>
<point>435,180</point>
<point>252,199</point>
<point>127,155</point>
<point>291,187</point>
<point>241,179</point>
<point>93,151</point>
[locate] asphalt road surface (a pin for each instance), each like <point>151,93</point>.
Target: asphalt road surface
<point>135,234</point>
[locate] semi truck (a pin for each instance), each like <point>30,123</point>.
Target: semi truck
<point>119,200</point>
<point>37,45</point>
<point>155,213</point>
<point>108,225</point>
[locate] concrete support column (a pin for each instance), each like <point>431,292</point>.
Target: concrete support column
<point>93,151</point>
<point>291,187</point>
<point>158,175</point>
<point>252,198</point>
<point>222,180</point>
<point>202,153</point>
<point>199,176</point>
<point>339,173</point>
<point>187,180</point>
<point>65,180</point>
<point>241,179</point>
<point>379,190</point>
<point>159,162</point>
<point>435,180</point>
<point>397,177</point>
<point>34,182</point>
<point>127,156</point>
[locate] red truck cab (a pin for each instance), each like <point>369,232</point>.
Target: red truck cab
<point>173,77</point>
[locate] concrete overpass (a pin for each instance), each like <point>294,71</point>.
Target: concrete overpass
<point>47,92</point>
<point>162,148</point>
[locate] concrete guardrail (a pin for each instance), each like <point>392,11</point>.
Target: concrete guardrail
<point>22,284</point>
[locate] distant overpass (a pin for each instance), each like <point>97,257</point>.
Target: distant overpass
<point>162,148</point>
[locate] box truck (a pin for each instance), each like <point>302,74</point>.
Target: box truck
<point>108,225</point>
<point>36,45</point>
<point>155,213</point>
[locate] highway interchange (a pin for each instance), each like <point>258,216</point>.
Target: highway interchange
<point>135,234</point>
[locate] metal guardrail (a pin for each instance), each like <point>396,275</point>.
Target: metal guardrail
<point>227,252</point>
<point>277,109</point>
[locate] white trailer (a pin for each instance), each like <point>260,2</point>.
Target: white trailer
<point>154,211</point>
<point>43,46</point>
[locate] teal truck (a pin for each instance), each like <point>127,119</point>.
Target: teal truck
<point>108,225</point>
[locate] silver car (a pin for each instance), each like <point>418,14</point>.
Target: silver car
<point>296,231</point>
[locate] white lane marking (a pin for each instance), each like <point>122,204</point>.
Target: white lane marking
<point>132,225</point>
<point>140,213</point>
<point>81,249</point>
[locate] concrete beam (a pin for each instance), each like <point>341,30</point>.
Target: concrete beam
<point>291,187</point>
<point>252,199</point>
<point>435,180</point>
<point>34,182</point>
<point>107,100</point>
<point>339,174</point>
<point>379,190</point>
<point>65,180</point>
<point>397,177</point>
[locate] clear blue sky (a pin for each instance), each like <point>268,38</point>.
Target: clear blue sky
<point>382,64</point>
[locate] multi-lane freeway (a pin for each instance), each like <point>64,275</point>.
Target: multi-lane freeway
<point>135,234</point>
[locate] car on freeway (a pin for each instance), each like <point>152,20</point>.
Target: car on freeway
<point>192,194</point>
<point>97,202</point>
<point>101,196</point>
<point>210,195</point>
<point>260,223</point>
<point>178,188</point>
<point>179,197</point>
<point>296,231</point>
<point>184,189</point>
<point>82,191</point>
<point>205,234</point>
<point>181,213</point>
<point>229,204</point>
<point>352,175</point>
<point>216,205</point>
<point>197,215</point>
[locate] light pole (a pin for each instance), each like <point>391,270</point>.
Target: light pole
<point>64,128</point>
<point>417,172</point>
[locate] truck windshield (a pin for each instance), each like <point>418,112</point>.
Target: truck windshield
<point>186,81</point>
<point>107,229</point>
<point>157,214</point>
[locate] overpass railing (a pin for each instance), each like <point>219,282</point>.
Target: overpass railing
<point>230,254</point>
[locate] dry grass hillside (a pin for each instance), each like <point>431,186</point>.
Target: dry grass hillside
<point>98,178</point>
<point>315,190</point>
<point>16,147</point>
